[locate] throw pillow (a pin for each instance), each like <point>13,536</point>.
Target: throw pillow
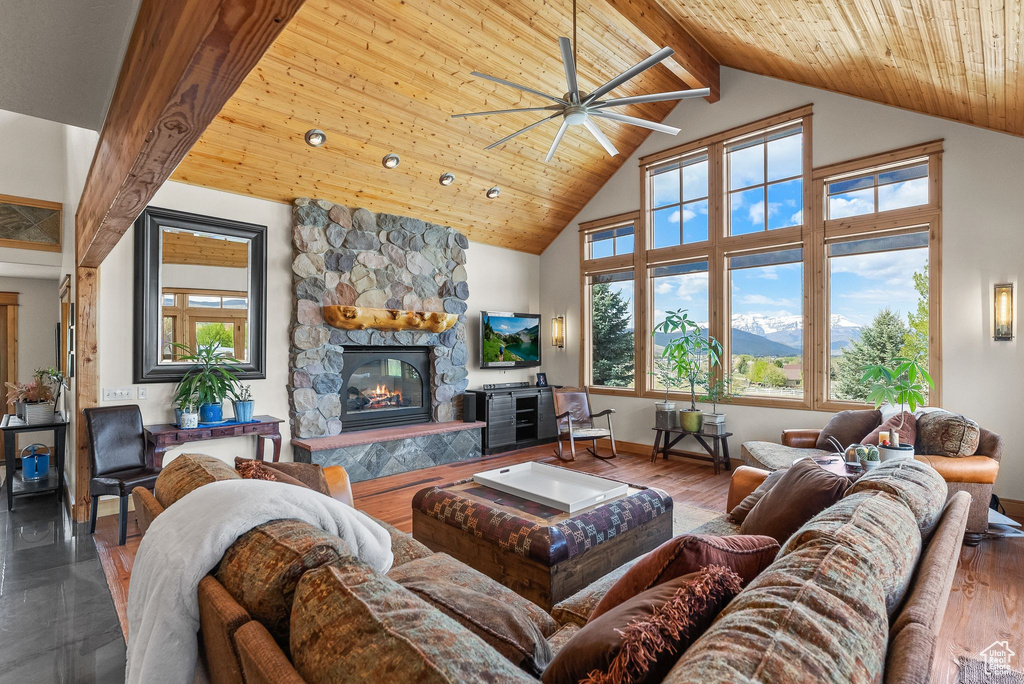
<point>941,433</point>
<point>747,556</point>
<point>908,433</point>
<point>802,492</point>
<point>641,639</point>
<point>187,472</point>
<point>507,628</point>
<point>848,427</point>
<point>742,509</point>
<point>251,469</point>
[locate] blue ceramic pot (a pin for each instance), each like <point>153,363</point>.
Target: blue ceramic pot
<point>244,410</point>
<point>211,413</point>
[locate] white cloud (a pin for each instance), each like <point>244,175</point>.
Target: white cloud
<point>851,204</point>
<point>892,268</point>
<point>688,214</point>
<point>907,194</point>
<point>766,273</point>
<point>797,218</point>
<point>762,300</point>
<point>674,217</point>
<point>664,287</point>
<point>692,284</point>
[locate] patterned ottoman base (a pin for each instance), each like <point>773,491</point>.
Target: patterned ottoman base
<point>541,553</point>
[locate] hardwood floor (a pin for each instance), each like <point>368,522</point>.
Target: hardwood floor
<point>986,602</point>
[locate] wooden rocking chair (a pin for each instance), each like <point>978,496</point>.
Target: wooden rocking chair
<point>575,421</point>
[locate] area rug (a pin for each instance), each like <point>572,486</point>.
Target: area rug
<point>973,672</point>
<point>688,518</point>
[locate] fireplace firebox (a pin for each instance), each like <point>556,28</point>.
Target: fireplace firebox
<point>385,386</point>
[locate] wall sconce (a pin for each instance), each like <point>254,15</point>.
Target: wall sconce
<point>558,332</point>
<point>1003,312</point>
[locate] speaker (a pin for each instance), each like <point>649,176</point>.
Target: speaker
<point>469,407</point>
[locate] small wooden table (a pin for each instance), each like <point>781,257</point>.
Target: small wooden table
<point>15,484</point>
<point>164,436</point>
<point>718,448</point>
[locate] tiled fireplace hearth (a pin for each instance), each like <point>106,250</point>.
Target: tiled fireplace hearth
<point>393,393</point>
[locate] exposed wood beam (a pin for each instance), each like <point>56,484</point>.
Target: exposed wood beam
<point>87,381</point>
<point>185,59</point>
<point>651,26</point>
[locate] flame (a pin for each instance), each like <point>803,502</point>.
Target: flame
<point>382,397</point>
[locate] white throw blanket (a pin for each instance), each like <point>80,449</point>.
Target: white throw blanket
<point>186,542</point>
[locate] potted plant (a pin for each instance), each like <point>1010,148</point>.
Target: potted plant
<point>35,402</point>
<point>901,382</point>
<point>188,417</point>
<point>665,416</point>
<point>869,456</point>
<point>241,400</point>
<point>717,393</point>
<point>209,381</point>
<point>687,352</point>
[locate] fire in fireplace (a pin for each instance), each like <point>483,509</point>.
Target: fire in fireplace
<point>384,386</point>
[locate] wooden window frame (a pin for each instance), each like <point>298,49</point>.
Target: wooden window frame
<point>184,315</point>
<point>613,264</point>
<point>878,224</point>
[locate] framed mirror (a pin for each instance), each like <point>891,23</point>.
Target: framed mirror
<point>198,280</point>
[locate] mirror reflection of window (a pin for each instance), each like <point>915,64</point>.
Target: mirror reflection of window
<point>204,280</point>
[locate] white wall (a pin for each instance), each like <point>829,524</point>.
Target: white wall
<point>983,202</point>
<point>499,279</point>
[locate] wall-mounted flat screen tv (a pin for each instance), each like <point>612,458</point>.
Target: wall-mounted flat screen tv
<point>509,340</point>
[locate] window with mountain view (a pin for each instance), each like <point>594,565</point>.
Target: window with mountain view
<point>767,337</point>
<point>675,287</point>
<point>611,330</point>
<point>879,307</point>
<point>765,181</point>
<point>679,193</point>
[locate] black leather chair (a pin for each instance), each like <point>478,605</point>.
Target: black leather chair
<point>117,448</point>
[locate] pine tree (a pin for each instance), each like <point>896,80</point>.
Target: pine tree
<point>880,342</point>
<point>612,338</point>
<point>915,344</point>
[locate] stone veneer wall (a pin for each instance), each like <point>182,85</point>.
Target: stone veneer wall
<point>357,258</point>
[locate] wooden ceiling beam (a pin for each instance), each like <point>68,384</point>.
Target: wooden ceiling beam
<point>653,28</point>
<point>184,61</point>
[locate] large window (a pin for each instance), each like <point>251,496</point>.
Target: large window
<point>766,349</point>
<point>765,179</point>
<point>804,275</point>
<point>202,317</point>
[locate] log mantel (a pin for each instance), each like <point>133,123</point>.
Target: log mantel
<point>361,318</point>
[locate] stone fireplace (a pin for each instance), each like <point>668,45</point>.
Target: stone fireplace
<point>370,381</point>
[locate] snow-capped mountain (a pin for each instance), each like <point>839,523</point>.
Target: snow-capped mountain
<point>789,330</point>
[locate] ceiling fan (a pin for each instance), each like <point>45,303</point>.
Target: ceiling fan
<point>579,108</point>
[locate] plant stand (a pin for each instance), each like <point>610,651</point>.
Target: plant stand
<point>717,449</point>
<point>16,484</point>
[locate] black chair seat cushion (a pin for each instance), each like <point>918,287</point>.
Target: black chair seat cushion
<point>122,482</point>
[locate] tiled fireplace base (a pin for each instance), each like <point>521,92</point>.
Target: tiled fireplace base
<point>369,454</point>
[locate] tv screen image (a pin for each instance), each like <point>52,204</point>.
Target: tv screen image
<point>509,339</point>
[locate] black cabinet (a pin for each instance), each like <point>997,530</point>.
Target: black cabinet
<point>516,417</point>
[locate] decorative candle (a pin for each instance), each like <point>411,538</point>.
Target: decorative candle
<point>895,439</point>
<point>883,437</point>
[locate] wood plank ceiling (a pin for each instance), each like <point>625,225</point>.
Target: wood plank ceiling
<point>385,76</point>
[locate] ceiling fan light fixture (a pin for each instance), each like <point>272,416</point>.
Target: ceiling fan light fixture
<point>315,137</point>
<point>493,192</point>
<point>390,161</point>
<point>446,179</point>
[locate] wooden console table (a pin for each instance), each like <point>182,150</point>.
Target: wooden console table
<point>164,436</point>
<point>718,448</point>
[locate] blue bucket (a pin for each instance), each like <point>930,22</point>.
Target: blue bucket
<point>35,465</point>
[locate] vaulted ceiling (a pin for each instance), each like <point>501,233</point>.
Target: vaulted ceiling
<point>385,76</point>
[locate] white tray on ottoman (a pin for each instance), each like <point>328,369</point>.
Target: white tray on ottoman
<point>566,490</point>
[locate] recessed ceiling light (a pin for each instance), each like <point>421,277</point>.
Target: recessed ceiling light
<point>493,192</point>
<point>315,137</point>
<point>446,178</point>
<point>390,161</point>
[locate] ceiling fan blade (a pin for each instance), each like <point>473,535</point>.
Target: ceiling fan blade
<point>509,111</point>
<point>601,137</point>
<point>630,73</point>
<point>558,139</point>
<point>523,130</point>
<point>569,63</point>
<point>519,87</point>
<point>654,97</point>
<point>661,128</point>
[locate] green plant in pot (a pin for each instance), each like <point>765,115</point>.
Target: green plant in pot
<point>717,393</point>
<point>901,382</point>
<point>665,415</point>
<point>212,378</point>
<point>868,456</point>
<point>241,400</point>
<point>689,350</point>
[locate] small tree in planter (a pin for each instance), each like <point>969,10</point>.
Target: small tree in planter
<point>717,393</point>
<point>665,415</point>
<point>209,381</point>
<point>686,353</point>
<point>901,382</point>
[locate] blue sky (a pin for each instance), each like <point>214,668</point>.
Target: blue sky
<point>506,325</point>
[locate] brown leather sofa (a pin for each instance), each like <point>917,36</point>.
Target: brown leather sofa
<point>975,474</point>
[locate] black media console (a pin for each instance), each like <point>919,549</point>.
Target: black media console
<point>516,417</point>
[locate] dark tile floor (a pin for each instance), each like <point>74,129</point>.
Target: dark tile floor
<point>57,620</point>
